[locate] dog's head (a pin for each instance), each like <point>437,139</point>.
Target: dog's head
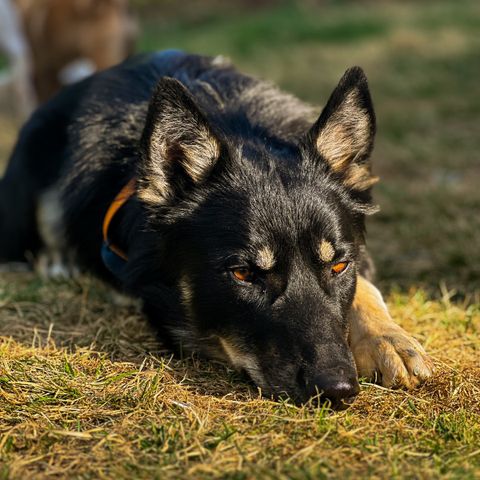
<point>263,238</point>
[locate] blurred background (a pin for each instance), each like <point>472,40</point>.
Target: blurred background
<point>422,60</point>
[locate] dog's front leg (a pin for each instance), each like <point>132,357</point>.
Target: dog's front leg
<point>383,351</point>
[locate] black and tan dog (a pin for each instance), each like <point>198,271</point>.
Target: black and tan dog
<point>234,214</point>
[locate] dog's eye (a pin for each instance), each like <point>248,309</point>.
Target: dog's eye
<point>339,267</point>
<point>244,274</point>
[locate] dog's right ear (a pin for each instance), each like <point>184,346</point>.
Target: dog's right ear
<point>179,148</point>
<point>343,135</point>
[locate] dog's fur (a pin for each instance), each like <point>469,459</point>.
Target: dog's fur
<point>232,176</point>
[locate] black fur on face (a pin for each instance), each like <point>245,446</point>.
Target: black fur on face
<point>251,232</point>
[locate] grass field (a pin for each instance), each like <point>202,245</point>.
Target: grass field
<point>87,392</point>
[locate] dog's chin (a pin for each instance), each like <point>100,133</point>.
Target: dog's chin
<point>342,404</point>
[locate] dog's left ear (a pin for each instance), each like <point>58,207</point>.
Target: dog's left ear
<point>179,148</point>
<point>343,135</point>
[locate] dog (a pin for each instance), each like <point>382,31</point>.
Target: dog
<point>70,39</point>
<point>230,208</point>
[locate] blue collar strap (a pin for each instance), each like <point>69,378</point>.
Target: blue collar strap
<point>115,264</point>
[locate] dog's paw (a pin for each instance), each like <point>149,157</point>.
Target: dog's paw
<point>383,351</point>
<point>55,265</point>
<point>392,358</point>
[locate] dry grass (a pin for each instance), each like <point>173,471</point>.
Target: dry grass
<point>86,391</point>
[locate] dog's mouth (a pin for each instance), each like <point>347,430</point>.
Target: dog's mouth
<point>334,386</point>
<point>245,377</point>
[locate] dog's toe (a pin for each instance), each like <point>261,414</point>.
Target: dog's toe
<point>418,364</point>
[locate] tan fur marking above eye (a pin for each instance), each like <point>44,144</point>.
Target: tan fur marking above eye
<point>326,251</point>
<point>265,258</point>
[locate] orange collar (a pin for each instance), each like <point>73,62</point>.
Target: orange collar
<point>125,193</point>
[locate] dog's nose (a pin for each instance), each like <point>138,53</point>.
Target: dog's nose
<point>337,387</point>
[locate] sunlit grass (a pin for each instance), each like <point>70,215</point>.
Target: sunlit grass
<point>86,391</point>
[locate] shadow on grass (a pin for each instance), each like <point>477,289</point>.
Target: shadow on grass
<point>83,314</point>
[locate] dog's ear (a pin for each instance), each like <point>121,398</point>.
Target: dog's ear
<point>178,146</point>
<point>343,135</point>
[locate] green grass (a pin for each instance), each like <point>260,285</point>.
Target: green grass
<point>86,391</point>
<point>242,36</point>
